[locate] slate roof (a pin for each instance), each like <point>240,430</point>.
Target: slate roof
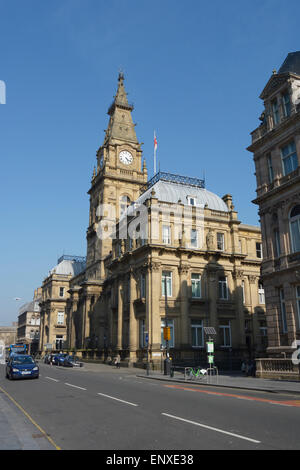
<point>291,63</point>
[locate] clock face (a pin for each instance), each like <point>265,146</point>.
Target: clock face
<point>125,157</point>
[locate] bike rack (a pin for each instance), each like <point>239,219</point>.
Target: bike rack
<point>212,372</point>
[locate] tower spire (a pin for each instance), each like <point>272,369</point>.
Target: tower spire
<point>120,125</point>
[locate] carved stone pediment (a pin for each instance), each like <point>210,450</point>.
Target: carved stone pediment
<point>276,81</point>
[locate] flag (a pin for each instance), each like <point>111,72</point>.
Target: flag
<point>155,142</point>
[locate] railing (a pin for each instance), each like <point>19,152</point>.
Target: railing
<point>282,368</point>
<point>170,177</point>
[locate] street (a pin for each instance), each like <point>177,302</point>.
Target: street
<point>108,409</point>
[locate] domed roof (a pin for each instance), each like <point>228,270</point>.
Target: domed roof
<point>166,191</point>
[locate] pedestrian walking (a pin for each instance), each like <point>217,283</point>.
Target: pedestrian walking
<point>118,361</point>
<point>243,368</point>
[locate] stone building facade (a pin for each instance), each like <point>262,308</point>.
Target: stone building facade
<point>276,149</point>
<point>196,249</point>
<point>54,295</point>
<point>29,323</point>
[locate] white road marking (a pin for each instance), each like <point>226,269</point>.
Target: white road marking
<point>118,399</point>
<point>212,429</point>
<point>75,386</point>
<point>50,378</point>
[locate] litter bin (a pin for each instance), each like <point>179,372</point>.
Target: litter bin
<point>167,366</point>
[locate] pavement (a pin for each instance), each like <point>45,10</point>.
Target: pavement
<point>231,379</point>
<point>19,432</point>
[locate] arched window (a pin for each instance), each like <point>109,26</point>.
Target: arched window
<point>124,203</point>
<point>295,228</point>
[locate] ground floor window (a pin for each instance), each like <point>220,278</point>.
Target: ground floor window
<point>171,326</point>
<point>197,333</point>
<point>263,333</point>
<point>225,334</point>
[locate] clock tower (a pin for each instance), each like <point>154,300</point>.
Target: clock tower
<point>116,180</point>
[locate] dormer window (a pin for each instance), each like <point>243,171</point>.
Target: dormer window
<point>286,104</point>
<point>191,200</point>
<point>275,112</point>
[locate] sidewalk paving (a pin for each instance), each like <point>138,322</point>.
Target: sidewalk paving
<point>16,431</point>
<point>230,380</point>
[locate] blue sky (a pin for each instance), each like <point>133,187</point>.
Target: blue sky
<point>194,71</point>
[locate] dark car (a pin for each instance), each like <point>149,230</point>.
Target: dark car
<point>72,361</point>
<point>22,366</point>
<point>58,359</point>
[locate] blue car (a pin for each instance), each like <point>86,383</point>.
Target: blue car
<point>21,366</point>
<point>58,359</point>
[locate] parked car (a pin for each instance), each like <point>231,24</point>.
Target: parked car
<point>72,361</point>
<point>58,359</point>
<point>22,366</point>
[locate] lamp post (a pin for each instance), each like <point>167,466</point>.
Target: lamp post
<point>166,333</point>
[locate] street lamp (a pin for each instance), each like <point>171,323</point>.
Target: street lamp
<point>166,332</point>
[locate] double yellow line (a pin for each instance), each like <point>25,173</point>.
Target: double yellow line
<point>30,419</point>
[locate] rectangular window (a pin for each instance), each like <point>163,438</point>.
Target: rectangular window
<point>263,333</point>
<point>60,318</point>
<point>196,286</point>
<point>61,292</point>
<point>223,288</point>
<point>172,340</point>
<point>295,235</point>
<point>194,238</point>
<point>166,234</point>
<point>220,241</point>
<point>259,250</point>
<point>289,158</point>
<point>286,103</point>
<point>143,285</point>
<point>277,249</point>
<point>298,304</point>
<point>130,244</point>
<point>275,111</point>
<point>270,169</point>
<point>261,293</point>
<point>166,283</point>
<point>243,291</point>
<point>197,333</point>
<point>283,311</point>
<point>225,334</point>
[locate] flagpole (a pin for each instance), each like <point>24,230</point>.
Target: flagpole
<point>154,165</point>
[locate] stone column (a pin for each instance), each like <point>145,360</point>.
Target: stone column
<point>212,294</point>
<point>184,306</point>
<point>133,324</point>
<point>153,295</point>
<point>120,316</point>
<point>238,278</point>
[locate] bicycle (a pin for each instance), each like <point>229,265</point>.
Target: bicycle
<point>194,374</point>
